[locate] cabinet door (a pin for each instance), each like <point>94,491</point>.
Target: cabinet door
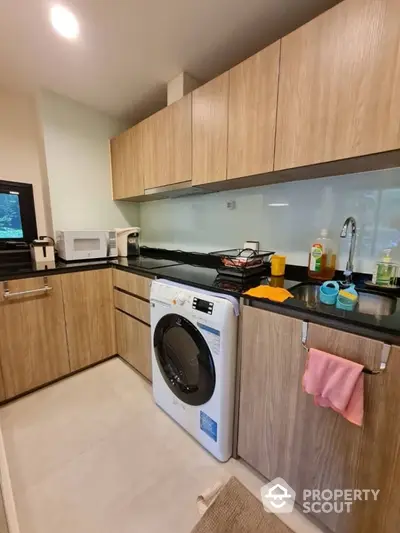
<point>253,92</point>
<point>167,145</point>
<point>336,454</point>
<point>379,460</point>
<point>271,367</point>
<point>282,433</point>
<point>126,164</point>
<point>134,342</point>
<point>89,314</point>
<point>339,85</point>
<point>2,388</point>
<point>33,344</point>
<point>210,131</point>
<point>328,448</point>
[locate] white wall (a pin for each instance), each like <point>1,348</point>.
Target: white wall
<point>21,151</point>
<point>203,223</point>
<point>76,140</point>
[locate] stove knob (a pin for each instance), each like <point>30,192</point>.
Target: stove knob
<point>181,298</point>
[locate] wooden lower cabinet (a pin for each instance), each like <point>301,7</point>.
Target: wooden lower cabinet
<point>379,458</point>
<point>271,364</point>
<point>134,342</point>
<point>2,387</point>
<point>33,344</point>
<point>132,306</point>
<point>283,434</point>
<point>327,447</point>
<point>89,316</point>
<point>132,283</point>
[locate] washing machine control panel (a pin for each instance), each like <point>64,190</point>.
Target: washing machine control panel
<point>181,298</point>
<point>202,305</point>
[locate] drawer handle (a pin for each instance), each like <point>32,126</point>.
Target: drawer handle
<point>42,290</point>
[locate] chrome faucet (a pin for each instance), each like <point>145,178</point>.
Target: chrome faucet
<point>349,266</point>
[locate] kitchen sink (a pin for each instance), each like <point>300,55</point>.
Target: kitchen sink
<point>369,302</point>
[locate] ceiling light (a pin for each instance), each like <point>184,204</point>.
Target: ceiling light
<point>64,22</point>
<point>278,205</point>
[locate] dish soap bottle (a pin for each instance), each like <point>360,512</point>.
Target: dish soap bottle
<point>322,258</point>
<point>385,271</point>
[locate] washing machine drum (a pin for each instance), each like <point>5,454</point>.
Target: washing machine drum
<point>184,359</point>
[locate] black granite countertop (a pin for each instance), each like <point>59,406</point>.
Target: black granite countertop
<point>200,270</point>
<point>206,276</point>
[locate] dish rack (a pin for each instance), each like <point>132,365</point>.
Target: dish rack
<point>242,262</point>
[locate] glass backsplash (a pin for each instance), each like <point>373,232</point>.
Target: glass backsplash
<point>284,217</point>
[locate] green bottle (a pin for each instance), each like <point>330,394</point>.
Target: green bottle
<point>385,271</point>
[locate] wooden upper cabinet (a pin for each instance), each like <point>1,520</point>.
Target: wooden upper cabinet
<point>210,131</point>
<point>89,316</point>
<point>339,85</point>
<point>118,147</point>
<point>33,344</point>
<point>167,145</point>
<point>253,92</point>
<point>127,164</point>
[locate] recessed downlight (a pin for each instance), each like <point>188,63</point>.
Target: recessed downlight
<point>64,22</point>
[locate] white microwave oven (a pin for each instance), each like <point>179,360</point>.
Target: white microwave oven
<point>77,245</point>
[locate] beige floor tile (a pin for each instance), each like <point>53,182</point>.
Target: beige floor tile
<point>84,492</point>
<point>95,454</point>
<point>52,426</point>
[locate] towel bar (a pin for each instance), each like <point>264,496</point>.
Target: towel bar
<point>384,357</point>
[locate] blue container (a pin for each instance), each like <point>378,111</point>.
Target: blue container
<point>328,292</point>
<point>344,303</point>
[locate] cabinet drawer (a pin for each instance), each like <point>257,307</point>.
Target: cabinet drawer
<point>134,342</point>
<point>133,306</point>
<point>138,285</point>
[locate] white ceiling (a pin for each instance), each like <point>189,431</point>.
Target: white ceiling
<point>129,49</point>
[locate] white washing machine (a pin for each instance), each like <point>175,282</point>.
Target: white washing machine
<point>194,338</point>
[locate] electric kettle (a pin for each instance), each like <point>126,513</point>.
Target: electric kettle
<point>128,241</point>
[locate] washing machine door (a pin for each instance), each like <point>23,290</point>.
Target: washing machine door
<point>184,359</point>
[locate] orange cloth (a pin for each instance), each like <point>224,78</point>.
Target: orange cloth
<point>275,294</point>
<point>336,383</point>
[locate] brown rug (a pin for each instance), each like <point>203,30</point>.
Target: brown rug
<point>236,510</point>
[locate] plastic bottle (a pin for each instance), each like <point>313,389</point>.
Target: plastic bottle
<point>385,271</point>
<point>322,258</point>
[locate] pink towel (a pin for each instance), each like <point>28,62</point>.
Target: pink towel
<point>337,383</point>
